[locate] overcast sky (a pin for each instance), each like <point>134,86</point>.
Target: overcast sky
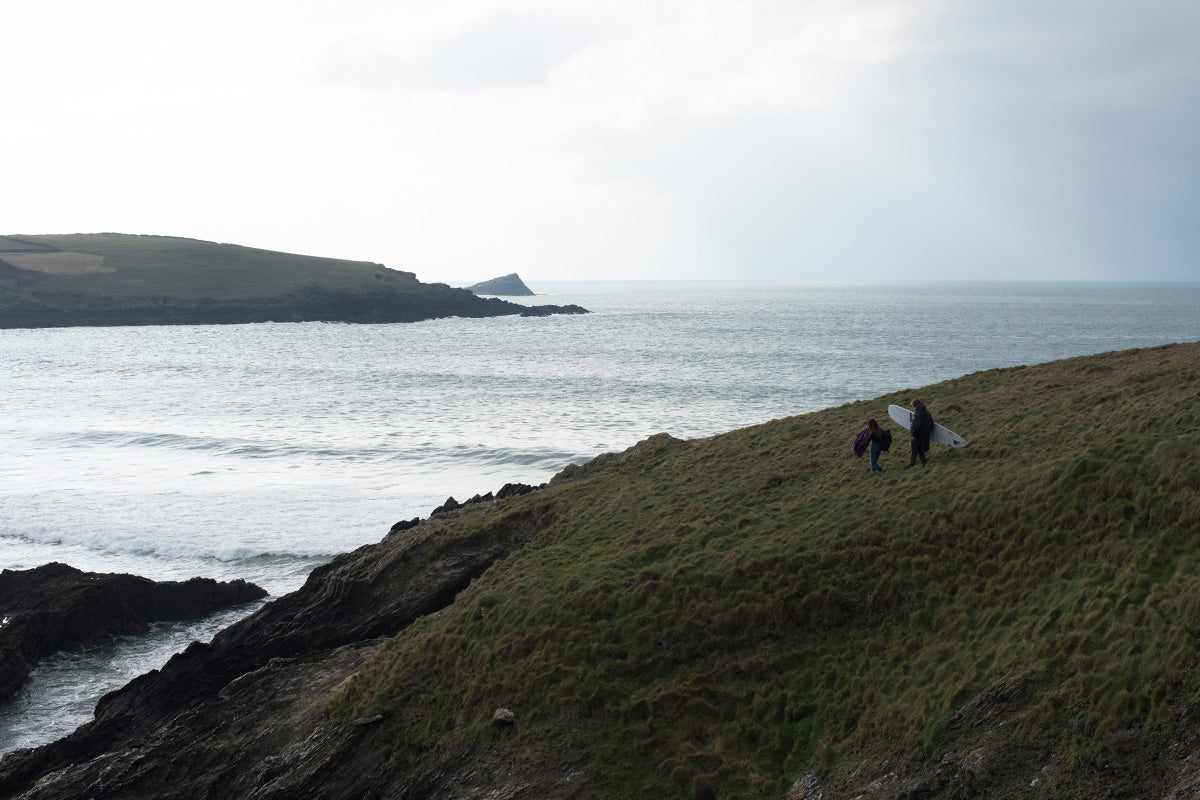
<point>465,139</point>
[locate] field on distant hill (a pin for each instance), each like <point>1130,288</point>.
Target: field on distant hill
<point>149,267</point>
<point>118,279</point>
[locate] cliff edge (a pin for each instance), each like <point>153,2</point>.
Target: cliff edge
<point>245,716</point>
<point>750,615</point>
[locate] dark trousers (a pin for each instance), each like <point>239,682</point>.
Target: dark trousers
<point>917,452</point>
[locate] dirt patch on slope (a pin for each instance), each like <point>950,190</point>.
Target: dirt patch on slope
<point>59,263</point>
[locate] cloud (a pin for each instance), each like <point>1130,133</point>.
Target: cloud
<point>779,139</point>
<point>446,48</point>
<point>1020,142</point>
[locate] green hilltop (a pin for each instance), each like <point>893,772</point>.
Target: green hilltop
<point>756,615</point>
<point>118,279</point>
<point>156,266</point>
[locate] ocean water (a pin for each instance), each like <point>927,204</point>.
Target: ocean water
<point>261,451</point>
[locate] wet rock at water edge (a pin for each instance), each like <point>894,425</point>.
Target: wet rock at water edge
<point>58,607</point>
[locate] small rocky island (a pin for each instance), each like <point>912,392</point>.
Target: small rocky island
<point>509,285</point>
<point>57,607</point>
<point>105,279</point>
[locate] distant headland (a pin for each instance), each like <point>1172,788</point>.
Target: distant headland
<point>509,285</point>
<point>72,280</point>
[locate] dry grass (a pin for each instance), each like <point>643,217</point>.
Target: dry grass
<point>59,263</point>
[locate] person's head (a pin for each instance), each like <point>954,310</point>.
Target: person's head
<point>918,402</point>
<point>873,425</point>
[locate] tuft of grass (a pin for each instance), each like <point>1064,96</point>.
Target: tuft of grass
<point>738,611</point>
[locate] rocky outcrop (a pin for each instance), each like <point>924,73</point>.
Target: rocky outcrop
<point>546,311</point>
<point>244,716</point>
<point>574,472</point>
<point>57,607</point>
<point>312,305</point>
<point>509,490</point>
<point>509,285</point>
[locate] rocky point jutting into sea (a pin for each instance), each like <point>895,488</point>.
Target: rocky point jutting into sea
<point>244,716</point>
<point>116,279</point>
<point>57,607</point>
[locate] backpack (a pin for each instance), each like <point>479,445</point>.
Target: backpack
<point>885,440</point>
<point>861,441</point>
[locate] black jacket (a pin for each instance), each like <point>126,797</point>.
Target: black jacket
<point>922,427</point>
<point>922,420</point>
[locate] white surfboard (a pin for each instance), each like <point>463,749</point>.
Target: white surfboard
<point>941,434</point>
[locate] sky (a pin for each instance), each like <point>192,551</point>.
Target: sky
<point>800,140</point>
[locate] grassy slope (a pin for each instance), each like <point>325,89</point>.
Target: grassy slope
<point>155,267</point>
<point>742,610</point>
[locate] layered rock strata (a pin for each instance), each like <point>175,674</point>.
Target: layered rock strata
<point>57,607</point>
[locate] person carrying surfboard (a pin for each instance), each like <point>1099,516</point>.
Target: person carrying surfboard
<point>920,427</point>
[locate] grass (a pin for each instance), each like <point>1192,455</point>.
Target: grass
<point>740,611</point>
<point>189,270</point>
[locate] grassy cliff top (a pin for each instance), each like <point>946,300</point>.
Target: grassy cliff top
<point>722,617</point>
<point>86,268</point>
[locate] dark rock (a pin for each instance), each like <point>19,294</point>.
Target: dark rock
<point>404,525</point>
<point>57,607</point>
<point>315,304</point>
<point>450,505</point>
<point>507,491</point>
<point>514,490</point>
<point>247,714</point>
<point>545,311</point>
<point>509,285</point>
<point>573,472</point>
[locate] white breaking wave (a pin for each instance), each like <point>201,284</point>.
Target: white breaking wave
<point>148,545</point>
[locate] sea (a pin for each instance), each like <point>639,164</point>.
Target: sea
<point>262,451</point>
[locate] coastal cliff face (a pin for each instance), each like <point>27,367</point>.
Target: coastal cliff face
<point>750,615</point>
<point>245,716</point>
